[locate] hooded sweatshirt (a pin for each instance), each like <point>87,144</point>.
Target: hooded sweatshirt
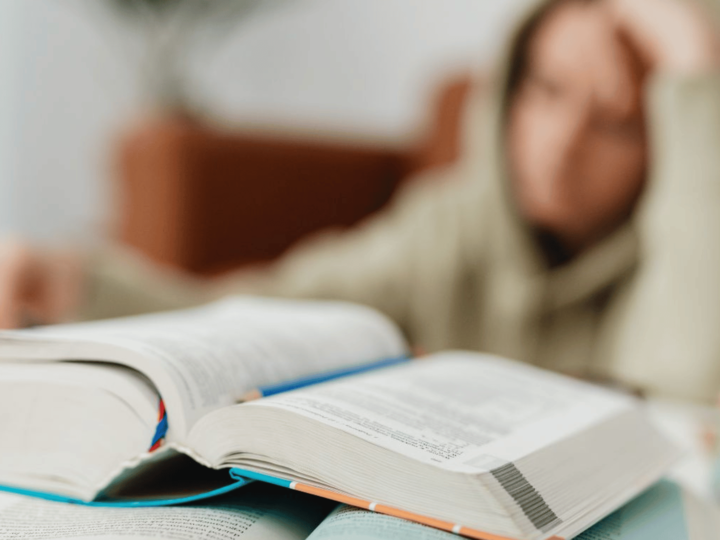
<point>453,264</point>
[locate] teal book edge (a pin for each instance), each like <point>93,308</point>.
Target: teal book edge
<point>242,474</point>
<point>239,482</point>
<point>240,479</point>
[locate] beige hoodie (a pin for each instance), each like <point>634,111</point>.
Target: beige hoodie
<point>453,265</point>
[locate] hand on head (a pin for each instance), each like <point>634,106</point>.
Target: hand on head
<point>670,36</point>
<point>577,137</point>
<point>37,286</point>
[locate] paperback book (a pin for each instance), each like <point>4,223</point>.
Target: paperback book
<point>464,442</point>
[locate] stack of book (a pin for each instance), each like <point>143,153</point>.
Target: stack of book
<point>149,425</point>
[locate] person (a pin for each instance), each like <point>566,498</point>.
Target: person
<point>580,231</point>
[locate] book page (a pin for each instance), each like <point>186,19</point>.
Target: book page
<point>206,358</point>
<point>257,514</point>
<point>349,523</point>
<point>461,411</point>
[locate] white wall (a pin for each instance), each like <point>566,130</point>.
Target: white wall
<point>8,99</point>
<point>68,84</point>
<point>65,108</point>
<point>352,64</point>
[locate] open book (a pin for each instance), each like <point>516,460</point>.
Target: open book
<point>261,512</point>
<point>71,427</point>
<point>469,443</point>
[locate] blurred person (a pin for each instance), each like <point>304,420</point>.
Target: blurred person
<point>580,231</point>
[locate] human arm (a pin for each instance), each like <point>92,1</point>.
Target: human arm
<point>393,262</point>
<point>669,339</point>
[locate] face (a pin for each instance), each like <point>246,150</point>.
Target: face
<point>575,134</point>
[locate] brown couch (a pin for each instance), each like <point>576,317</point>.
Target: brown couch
<point>207,201</point>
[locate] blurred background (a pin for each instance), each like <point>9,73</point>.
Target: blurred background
<point>137,120</point>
